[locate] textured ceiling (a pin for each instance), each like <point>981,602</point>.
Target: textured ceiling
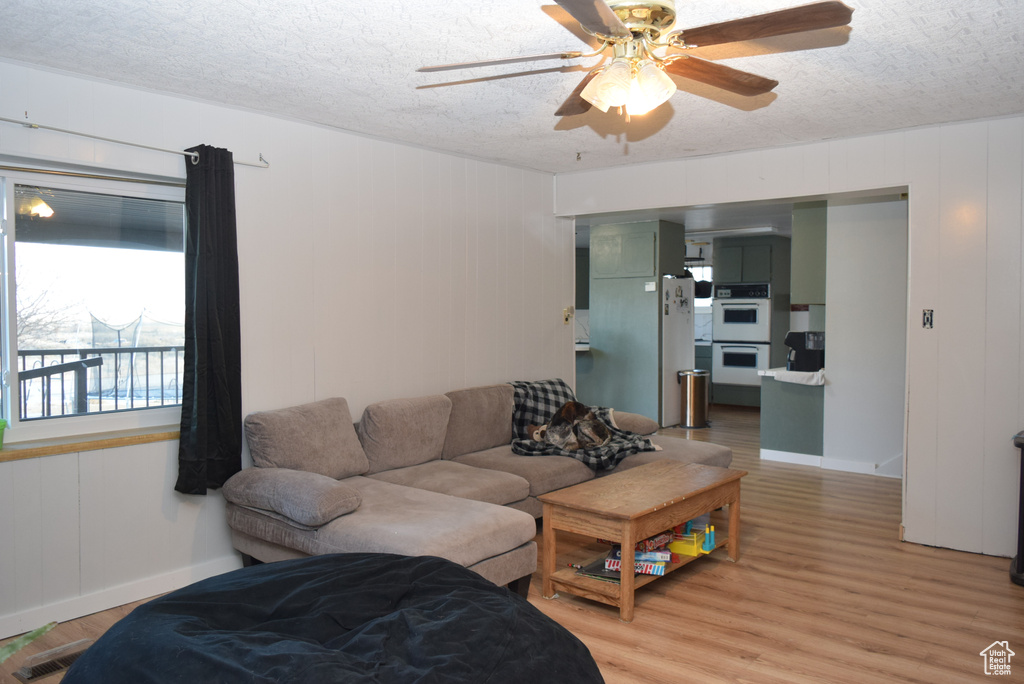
<point>352,65</point>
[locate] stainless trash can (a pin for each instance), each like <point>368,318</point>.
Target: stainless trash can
<point>695,387</point>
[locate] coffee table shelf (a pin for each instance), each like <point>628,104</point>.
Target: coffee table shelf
<point>631,506</point>
<point>567,580</point>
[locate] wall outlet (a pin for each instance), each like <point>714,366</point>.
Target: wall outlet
<point>928,319</point>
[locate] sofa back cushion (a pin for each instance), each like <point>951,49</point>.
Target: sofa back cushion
<point>404,432</point>
<point>481,419</point>
<point>318,438</point>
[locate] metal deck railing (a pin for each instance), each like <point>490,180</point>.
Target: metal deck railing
<point>61,382</point>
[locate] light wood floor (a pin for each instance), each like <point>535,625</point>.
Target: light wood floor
<point>88,627</point>
<point>824,592</point>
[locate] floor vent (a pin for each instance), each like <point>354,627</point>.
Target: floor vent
<point>51,662</point>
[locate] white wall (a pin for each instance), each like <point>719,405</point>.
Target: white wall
<point>368,270</point>
<point>86,531</point>
<point>471,254</point>
<point>865,333</point>
<point>966,184</point>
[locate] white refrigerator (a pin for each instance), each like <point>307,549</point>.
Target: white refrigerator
<point>677,343</point>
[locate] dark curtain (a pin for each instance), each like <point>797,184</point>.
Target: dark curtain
<point>210,449</point>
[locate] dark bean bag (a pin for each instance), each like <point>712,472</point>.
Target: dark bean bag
<point>338,618</point>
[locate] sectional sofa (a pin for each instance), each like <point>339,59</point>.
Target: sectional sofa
<point>428,476</point>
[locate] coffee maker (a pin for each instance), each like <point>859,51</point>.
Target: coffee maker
<point>807,350</point>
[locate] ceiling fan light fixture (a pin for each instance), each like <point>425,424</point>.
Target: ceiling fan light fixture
<point>611,87</point>
<point>651,88</point>
<point>634,80</point>
<point>593,96</point>
<point>40,208</point>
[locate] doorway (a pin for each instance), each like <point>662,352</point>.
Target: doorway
<point>866,319</point>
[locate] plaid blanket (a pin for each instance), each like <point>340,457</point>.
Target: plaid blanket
<point>535,404</point>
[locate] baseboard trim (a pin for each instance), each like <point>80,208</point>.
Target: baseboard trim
<point>892,468</point>
<point>862,467</point>
<point>791,457</point>
<point>78,606</point>
<point>846,466</point>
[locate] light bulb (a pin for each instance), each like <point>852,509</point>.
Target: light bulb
<point>41,209</point>
<point>651,88</point>
<point>610,88</point>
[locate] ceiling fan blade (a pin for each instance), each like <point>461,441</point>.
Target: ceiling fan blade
<point>818,15</point>
<point>596,16</point>
<point>720,76</point>
<point>574,104</point>
<point>507,60</point>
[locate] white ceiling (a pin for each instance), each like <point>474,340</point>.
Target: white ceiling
<point>352,65</point>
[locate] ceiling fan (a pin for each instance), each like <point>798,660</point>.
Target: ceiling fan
<point>644,51</point>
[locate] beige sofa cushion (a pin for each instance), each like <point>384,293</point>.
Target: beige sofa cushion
<point>317,437</point>
<point>544,473</point>
<point>309,499</point>
<point>403,520</point>
<point>481,419</point>
<point>459,479</point>
<point>634,422</point>
<point>677,449</point>
<point>404,432</point>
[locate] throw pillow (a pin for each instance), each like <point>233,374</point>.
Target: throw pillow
<point>307,498</point>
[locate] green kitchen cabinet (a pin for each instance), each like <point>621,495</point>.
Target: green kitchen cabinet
<point>623,256</point>
<point>743,264</point>
<point>702,357</point>
<point>754,259</point>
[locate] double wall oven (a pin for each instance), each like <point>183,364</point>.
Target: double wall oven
<point>741,332</point>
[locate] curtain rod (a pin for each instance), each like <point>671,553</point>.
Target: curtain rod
<point>194,156</point>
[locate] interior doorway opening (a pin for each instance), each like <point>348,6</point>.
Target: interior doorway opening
<point>864,312</point>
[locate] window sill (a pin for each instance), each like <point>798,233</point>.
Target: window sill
<point>67,445</point>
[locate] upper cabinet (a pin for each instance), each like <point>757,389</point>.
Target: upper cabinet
<point>757,259</point>
<point>622,256</point>
<point>808,252</point>
<point>637,250</point>
<point>743,264</point>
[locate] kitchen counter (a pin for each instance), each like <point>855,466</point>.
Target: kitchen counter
<point>792,415</point>
<point>795,377</point>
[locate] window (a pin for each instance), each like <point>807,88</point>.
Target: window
<point>702,273</point>
<point>94,279</point>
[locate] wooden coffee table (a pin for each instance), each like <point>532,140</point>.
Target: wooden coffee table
<point>631,506</point>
